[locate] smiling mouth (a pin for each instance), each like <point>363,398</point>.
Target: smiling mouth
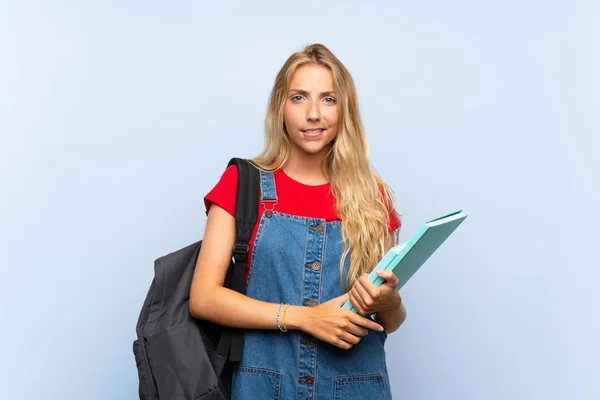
<point>312,130</point>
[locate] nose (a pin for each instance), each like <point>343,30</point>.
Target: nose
<point>313,113</point>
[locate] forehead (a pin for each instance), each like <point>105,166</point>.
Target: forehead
<point>312,78</point>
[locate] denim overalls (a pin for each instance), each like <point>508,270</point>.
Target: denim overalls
<point>295,260</point>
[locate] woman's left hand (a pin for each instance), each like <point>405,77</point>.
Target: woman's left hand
<point>368,298</point>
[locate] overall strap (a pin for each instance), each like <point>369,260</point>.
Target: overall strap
<point>269,191</point>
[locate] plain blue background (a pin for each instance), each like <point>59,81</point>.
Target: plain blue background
<point>116,118</point>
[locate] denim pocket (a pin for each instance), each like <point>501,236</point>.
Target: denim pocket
<point>360,387</point>
<point>257,382</point>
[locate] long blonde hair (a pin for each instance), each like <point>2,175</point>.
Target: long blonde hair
<point>363,201</point>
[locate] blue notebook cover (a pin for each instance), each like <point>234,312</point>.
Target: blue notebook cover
<point>406,258</point>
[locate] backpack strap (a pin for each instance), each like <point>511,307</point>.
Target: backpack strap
<point>246,214</point>
<point>231,342</point>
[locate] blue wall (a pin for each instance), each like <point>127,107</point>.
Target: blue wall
<point>117,117</point>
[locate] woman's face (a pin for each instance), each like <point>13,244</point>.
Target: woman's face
<point>311,110</point>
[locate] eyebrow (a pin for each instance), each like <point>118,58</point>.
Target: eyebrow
<point>304,92</point>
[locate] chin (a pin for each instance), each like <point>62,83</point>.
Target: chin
<point>314,150</point>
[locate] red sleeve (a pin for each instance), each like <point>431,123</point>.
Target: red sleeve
<point>395,222</point>
<point>224,192</point>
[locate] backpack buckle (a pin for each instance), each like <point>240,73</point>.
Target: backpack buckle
<point>241,249</point>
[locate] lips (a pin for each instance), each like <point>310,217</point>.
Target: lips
<point>312,132</point>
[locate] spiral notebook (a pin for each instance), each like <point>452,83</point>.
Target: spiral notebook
<point>406,258</point>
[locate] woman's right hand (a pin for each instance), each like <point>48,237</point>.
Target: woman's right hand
<point>332,324</point>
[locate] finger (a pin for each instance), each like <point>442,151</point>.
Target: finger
<point>390,278</point>
<point>341,344</point>
<point>349,338</point>
<point>364,295</point>
<point>366,323</point>
<point>357,301</point>
<point>356,330</point>
<point>369,287</point>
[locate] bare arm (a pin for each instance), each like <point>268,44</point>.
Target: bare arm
<point>209,300</point>
<point>392,318</point>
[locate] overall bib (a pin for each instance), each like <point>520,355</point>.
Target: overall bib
<point>295,260</point>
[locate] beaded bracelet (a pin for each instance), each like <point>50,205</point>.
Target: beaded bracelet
<point>282,329</point>
<point>283,318</point>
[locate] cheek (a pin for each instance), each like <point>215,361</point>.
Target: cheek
<point>332,116</point>
<point>290,116</point>
<point>332,132</point>
<point>333,120</point>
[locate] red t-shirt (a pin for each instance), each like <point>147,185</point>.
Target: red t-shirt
<point>294,198</point>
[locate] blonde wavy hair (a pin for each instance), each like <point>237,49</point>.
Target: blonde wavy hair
<point>363,201</point>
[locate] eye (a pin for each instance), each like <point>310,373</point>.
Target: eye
<point>296,98</point>
<point>330,100</point>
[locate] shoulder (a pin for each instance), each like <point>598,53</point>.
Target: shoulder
<point>223,193</point>
<point>230,174</point>
<point>229,179</point>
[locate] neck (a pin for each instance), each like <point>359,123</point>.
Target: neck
<point>306,168</point>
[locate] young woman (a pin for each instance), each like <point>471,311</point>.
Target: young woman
<point>325,220</point>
